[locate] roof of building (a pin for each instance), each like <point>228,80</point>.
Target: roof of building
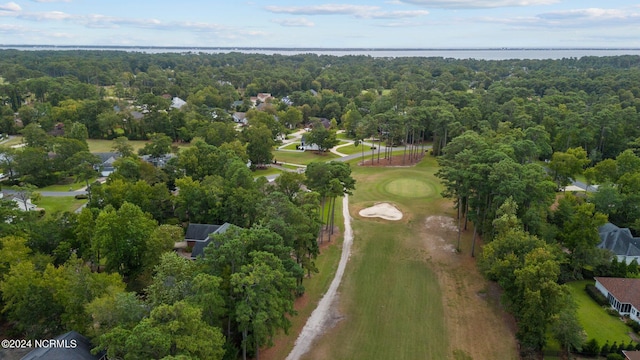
<point>619,240</point>
<point>631,355</point>
<point>200,230</point>
<point>77,347</point>
<point>627,291</point>
<point>177,103</point>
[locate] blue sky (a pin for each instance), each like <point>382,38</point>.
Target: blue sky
<point>324,24</point>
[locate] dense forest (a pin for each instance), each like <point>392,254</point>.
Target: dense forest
<point>509,134</point>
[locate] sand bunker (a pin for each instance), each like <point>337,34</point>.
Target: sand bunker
<point>382,210</point>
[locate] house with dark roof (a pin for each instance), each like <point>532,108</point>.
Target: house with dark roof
<point>620,242</point>
<point>199,236</point>
<point>69,346</point>
<point>623,295</point>
<point>107,159</point>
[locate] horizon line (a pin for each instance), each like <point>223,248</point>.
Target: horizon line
<point>285,48</point>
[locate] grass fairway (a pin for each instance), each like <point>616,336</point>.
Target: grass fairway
<point>405,295</point>
<point>596,322</point>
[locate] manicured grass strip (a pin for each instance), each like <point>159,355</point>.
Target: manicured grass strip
<point>266,172</point>
<point>55,204</point>
<point>302,158</point>
<point>292,146</point>
<point>596,322</point>
<point>65,187</point>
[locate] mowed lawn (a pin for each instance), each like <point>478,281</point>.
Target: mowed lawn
<point>596,322</point>
<point>302,158</point>
<point>56,204</point>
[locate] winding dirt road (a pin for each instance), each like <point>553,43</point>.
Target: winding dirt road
<point>316,323</point>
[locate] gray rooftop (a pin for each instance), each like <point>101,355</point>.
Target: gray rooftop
<point>619,240</point>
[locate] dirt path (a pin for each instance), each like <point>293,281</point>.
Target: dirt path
<point>316,323</point>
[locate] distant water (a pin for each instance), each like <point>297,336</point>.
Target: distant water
<point>479,54</point>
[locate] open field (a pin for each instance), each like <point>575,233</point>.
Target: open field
<point>302,158</point>
<point>596,322</point>
<point>406,293</point>
<point>54,204</point>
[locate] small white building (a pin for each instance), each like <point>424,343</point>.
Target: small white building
<point>623,295</point>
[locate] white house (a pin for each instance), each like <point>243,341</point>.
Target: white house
<point>20,203</point>
<point>177,103</point>
<point>623,295</point>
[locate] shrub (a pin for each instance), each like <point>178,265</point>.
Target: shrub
<point>596,295</point>
<point>633,324</point>
<point>606,348</point>
<point>614,357</point>
<point>611,311</point>
<point>82,196</point>
<point>591,348</point>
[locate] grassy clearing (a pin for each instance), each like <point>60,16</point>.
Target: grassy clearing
<point>292,146</point>
<point>402,296</point>
<point>56,204</point>
<point>74,186</point>
<point>302,158</point>
<point>15,140</point>
<point>596,322</point>
<point>266,172</point>
<point>100,145</point>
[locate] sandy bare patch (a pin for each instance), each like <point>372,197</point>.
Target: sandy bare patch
<point>382,210</point>
<point>472,304</point>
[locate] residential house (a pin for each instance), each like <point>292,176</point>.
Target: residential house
<point>623,295</point>
<point>198,236</point>
<point>620,242</point>
<point>287,101</point>
<point>261,97</point>
<point>106,164</point>
<point>304,145</point>
<point>240,118</point>
<point>68,346</point>
<point>21,204</point>
<point>159,161</point>
<point>177,103</point>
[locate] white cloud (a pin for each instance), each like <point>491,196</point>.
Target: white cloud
<point>358,11</point>
<point>478,4</point>
<point>576,18</point>
<point>299,22</point>
<point>10,7</point>
<point>47,15</point>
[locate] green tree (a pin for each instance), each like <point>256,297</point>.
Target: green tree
<point>260,142</point>
<point>321,136</point>
<point>122,237</point>
<point>265,294</point>
<point>160,145</point>
<point>122,146</point>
